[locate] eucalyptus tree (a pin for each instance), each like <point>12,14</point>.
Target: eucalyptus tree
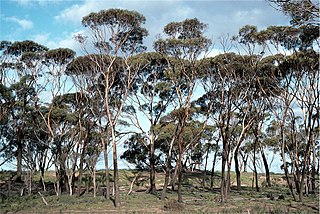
<point>152,96</point>
<point>54,83</point>
<point>21,72</point>
<point>83,74</point>
<point>229,81</point>
<point>115,33</point>
<point>185,42</point>
<point>302,12</point>
<point>87,78</point>
<point>63,122</point>
<point>293,83</point>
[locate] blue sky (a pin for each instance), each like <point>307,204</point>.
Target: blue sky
<point>54,23</point>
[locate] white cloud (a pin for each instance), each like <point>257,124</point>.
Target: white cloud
<point>23,23</point>
<point>67,41</point>
<point>75,13</point>
<point>41,38</point>
<point>22,2</point>
<point>223,17</point>
<point>28,3</point>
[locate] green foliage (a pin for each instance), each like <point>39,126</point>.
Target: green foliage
<point>126,26</point>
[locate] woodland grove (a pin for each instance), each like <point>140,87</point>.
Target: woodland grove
<point>63,112</point>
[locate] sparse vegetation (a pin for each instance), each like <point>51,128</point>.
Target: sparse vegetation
<point>196,198</point>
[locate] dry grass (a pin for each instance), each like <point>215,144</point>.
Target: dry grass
<point>197,199</point>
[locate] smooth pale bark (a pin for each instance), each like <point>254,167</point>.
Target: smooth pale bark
<point>115,170</point>
<point>106,166</point>
<point>94,183</point>
<point>223,185</point>
<point>86,141</point>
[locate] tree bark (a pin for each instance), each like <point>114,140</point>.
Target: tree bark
<point>115,169</point>
<point>285,167</point>
<point>106,166</point>
<point>223,185</point>
<point>213,164</point>
<point>168,167</point>
<point>82,158</point>
<point>152,166</point>
<point>94,183</point>
<point>266,167</point>
<point>19,161</point>
<point>237,169</point>
<point>180,174</point>
<point>255,167</point>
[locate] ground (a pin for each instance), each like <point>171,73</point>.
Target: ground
<point>196,198</point>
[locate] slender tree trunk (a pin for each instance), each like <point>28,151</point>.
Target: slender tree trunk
<point>94,183</point>
<point>228,182</point>
<point>42,179</point>
<point>81,165</point>
<point>168,168</point>
<point>106,166</point>
<point>223,185</point>
<point>152,166</point>
<point>304,170</point>
<point>213,165</point>
<point>19,161</point>
<point>205,168</point>
<point>180,174</point>
<point>237,169</point>
<point>285,167</point>
<point>313,168</point>
<point>255,166</point>
<point>266,167</point>
<point>174,178</point>
<point>115,169</point>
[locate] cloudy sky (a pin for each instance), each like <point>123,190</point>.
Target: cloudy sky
<point>54,22</point>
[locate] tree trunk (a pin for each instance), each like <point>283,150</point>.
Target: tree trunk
<point>19,161</point>
<point>237,168</point>
<point>205,168</point>
<point>152,167</point>
<point>42,179</point>
<point>266,167</point>
<point>313,168</point>
<point>174,177</point>
<point>94,183</point>
<point>223,185</point>
<point>213,165</point>
<point>245,163</point>
<point>285,167</point>
<point>115,169</point>
<point>168,168</point>
<point>228,181</point>
<point>81,166</point>
<point>179,178</point>
<point>254,165</point>
<point>106,166</point>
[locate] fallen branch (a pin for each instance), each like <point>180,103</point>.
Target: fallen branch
<point>44,200</point>
<point>131,185</point>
